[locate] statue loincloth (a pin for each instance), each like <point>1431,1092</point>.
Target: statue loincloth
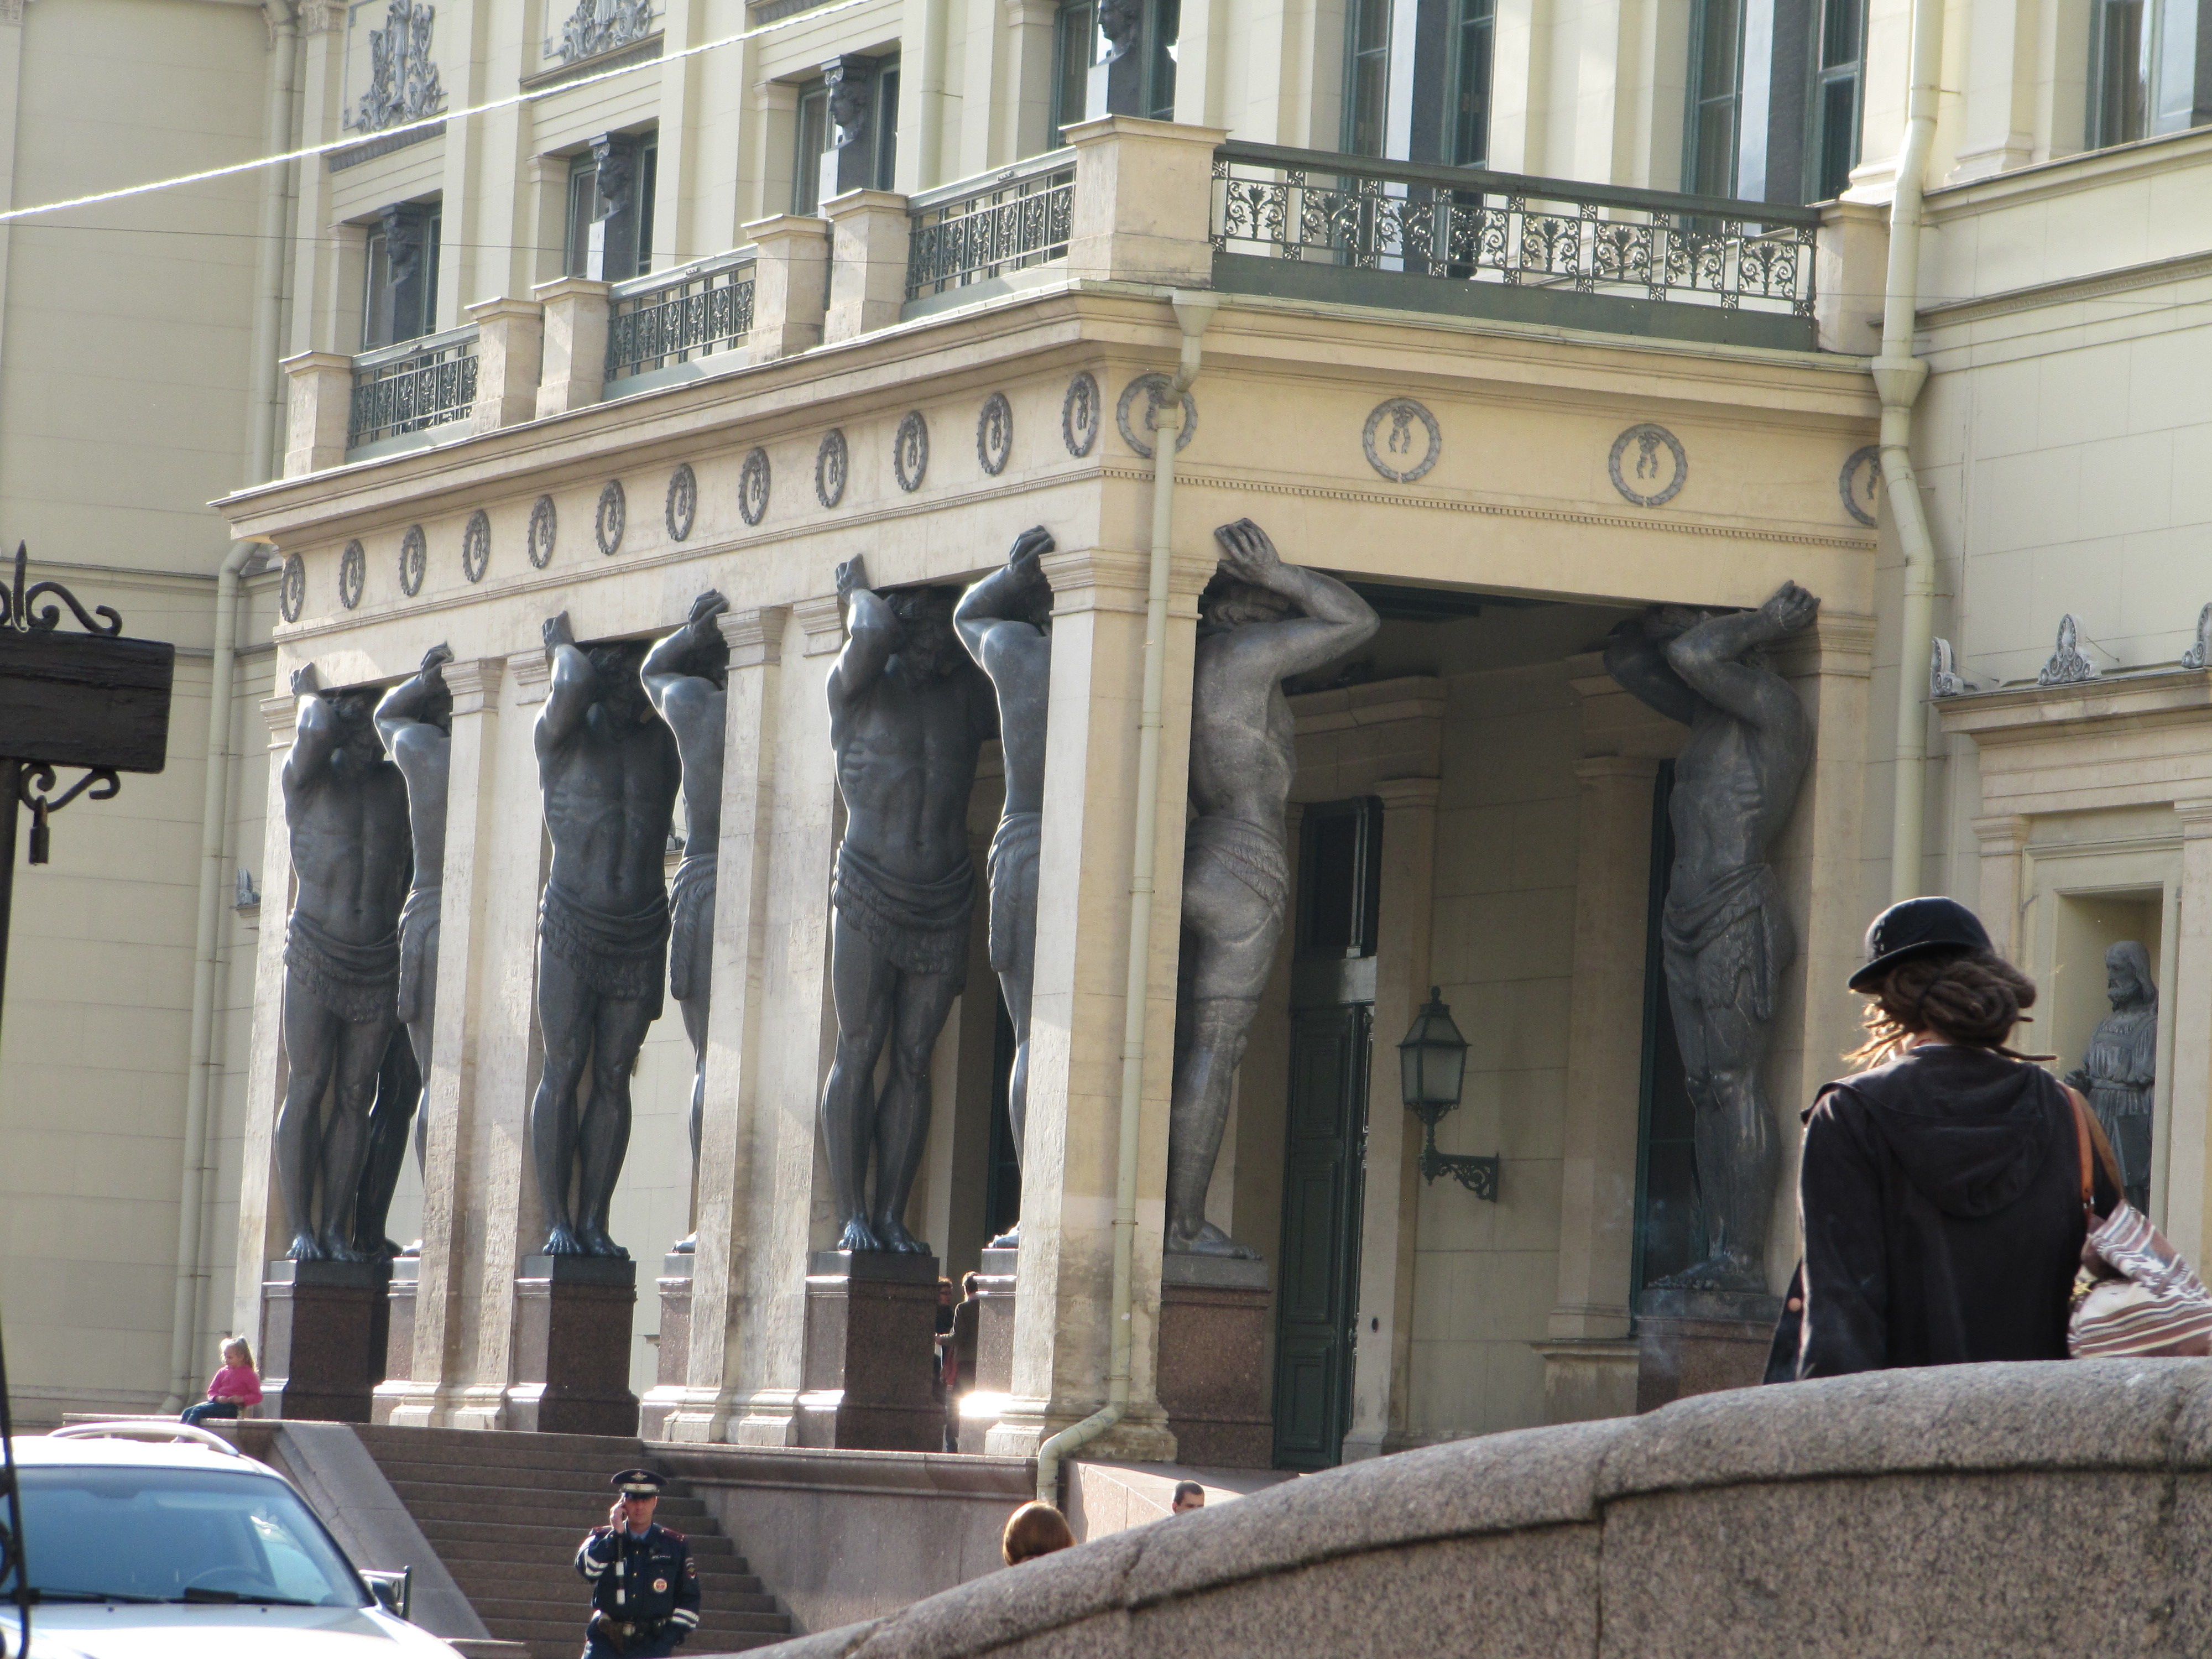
<point>922,927</point>
<point>1013,870</point>
<point>691,927</point>
<point>1737,931</point>
<point>355,982</point>
<point>418,953</point>
<point>619,956</point>
<point>1236,887</point>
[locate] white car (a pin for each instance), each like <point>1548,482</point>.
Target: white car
<point>142,1550</point>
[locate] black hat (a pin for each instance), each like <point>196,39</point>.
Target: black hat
<point>1918,927</point>
<point>637,1483</point>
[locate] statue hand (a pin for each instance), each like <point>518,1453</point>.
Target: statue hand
<point>304,683</point>
<point>1029,546</point>
<point>556,632</point>
<point>708,605</point>
<point>436,657</point>
<point>1790,608</point>
<point>852,577</point>
<point>1247,554</point>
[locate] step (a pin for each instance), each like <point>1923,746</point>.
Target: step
<point>557,1585</point>
<point>592,1480</point>
<point>498,1611</point>
<point>540,1541</point>
<point>714,1552</point>
<point>459,1504</point>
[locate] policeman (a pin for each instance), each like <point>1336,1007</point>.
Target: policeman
<point>645,1586</point>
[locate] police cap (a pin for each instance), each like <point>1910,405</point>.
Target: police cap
<point>637,1483</point>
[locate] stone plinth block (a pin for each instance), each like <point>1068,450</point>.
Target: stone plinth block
<point>322,1338</point>
<point>994,1341</point>
<point>399,1340</point>
<point>572,1317</point>
<point>1213,1360</point>
<point>867,1376</point>
<point>1700,1342</point>
<point>675,1346</point>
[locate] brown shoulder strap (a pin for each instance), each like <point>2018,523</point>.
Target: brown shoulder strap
<point>2091,1134</point>
<point>2081,1146</point>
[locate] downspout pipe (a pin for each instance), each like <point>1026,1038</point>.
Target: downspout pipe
<point>1898,377</point>
<point>214,813</point>
<point>1193,312</point>
<point>277,185</point>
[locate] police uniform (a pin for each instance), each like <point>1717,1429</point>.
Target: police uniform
<point>645,1591</point>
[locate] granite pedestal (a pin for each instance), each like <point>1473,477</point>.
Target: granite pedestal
<point>867,1379</point>
<point>572,1318</point>
<point>400,1341</point>
<point>1213,1354</point>
<point>674,1348</point>
<point>323,1332</point>
<point>993,1376</point>
<point>1700,1342</point>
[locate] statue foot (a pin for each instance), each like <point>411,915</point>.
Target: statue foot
<point>685,1246</point>
<point>1725,1270</point>
<point>1209,1240</point>
<point>596,1243</point>
<point>857,1237</point>
<point>305,1247</point>
<point>333,1251</point>
<point>1009,1240</point>
<point>563,1241</point>
<point>895,1238</point>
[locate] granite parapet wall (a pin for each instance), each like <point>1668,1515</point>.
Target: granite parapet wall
<point>2057,1508</point>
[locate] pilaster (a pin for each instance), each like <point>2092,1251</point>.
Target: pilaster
<point>869,234</point>
<point>575,344</point>
<point>510,360</point>
<point>2189,1142</point>
<point>791,285</point>
<point>318,411</point>
<point>1144,194</point>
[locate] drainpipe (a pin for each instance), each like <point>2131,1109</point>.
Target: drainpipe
<point>1898,377</point>
<point>270,247</point>
<point>214,812</point>
<point>1193,312</point>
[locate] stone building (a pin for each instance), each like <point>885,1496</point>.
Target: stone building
<point>597,308</point>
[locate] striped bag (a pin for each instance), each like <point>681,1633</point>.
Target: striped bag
<point>2134,1296</point>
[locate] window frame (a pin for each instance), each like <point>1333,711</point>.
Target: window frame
<point>1463,27</point>
<point>1695,102</point>
<point>377,259</point>
<point>807,168</point>
<point>1825,76</point>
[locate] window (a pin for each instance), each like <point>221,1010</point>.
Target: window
<point>1142,81</point>
<point>1715,98</point>
<point>1162,24</point>
<point>1836,98</point>
<point>399,297</point>
<point>627,238</point>
<point>2143,69</point>
<point>813,131</point>
<point>1366,75</point>
<point>1474,25</point>
<point>1075,47</point>
<point>883,134</point>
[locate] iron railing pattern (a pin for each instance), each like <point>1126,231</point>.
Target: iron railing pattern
<point>412,386</point>
<point>674,316</point>
<point>1471,225</point>
<point>980,228</point>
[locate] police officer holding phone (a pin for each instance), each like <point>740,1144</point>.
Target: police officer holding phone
<point>645,1586</point>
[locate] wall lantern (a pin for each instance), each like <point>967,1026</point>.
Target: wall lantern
<point>1433,1062</point>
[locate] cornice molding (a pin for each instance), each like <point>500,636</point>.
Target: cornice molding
<point>823,621</point>
<point>754,637</point>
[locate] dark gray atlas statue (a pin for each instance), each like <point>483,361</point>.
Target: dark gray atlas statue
<point>1259,621</point>
<point>2120,1070</point>
<point>1725,934</point>
<point>907,711</point>
<point>687,675</point>
<point>416,722</point>
<point>608,767</point>
<point>345,812</point>
<point>1006,622</point>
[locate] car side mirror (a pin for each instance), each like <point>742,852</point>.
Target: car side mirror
<point>394,1591</point>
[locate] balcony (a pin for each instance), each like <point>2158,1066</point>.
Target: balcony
<point>403,390</point>
<point>977,231</point>
<point>660,327</point>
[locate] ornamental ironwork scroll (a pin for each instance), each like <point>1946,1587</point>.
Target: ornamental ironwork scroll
<point>1021,216</point>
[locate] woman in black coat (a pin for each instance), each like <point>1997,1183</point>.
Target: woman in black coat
<point>1940,1196</point>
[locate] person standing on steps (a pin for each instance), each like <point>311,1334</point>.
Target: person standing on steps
<point>645,1585</point>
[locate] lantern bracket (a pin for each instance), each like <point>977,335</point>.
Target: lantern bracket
<point>1478,1175</point>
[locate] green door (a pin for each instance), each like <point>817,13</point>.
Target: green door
<point>1317,1297</point>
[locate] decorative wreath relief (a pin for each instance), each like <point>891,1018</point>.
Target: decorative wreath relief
<point>353,571</point>
<point>414,554</point>
<point>752,487</point>
<point>292,587</point>
<point>544,525</point>
<point>830,468</point>
<point>476,545</point>
<point>682,501</point>
<point>1153,389</point>
<point>1860,483</point>
<point>994,434</point>
<point>1659,469</point>
<point>910,451</point>
<point>607,523</point>
<point>1078,414</point>
<point>1393,448</point>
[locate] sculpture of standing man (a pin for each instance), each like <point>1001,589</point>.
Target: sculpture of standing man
<point>2121,1067</point>
<point>687,675</point>
<point>345,811</point>
<point>908,712</point>
<point>1726,936</point>
<point>1259,621</point>
<point>1006,622</point>
<point>608,768</point>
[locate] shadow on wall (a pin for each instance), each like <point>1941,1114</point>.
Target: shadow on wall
<point>2020,1509</point>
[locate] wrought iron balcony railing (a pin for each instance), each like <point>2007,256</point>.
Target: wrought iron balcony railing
<point>413,386</point>
<point>674,316</point>
<point>1467,224</point>
<point>978,228</point>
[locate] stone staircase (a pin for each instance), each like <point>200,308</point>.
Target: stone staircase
<point>506,1511</point>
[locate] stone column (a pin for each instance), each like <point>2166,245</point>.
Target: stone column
<point>319,412</point>
<point>575,344</point>
<point>791,280</point>
<point>1144,201</point>
<point>2003,840</point>
<point>510,358</point>
<point>418,1393</point>
<point>1026,102</point>
<point>1066,1262</point>
<point>2188,1134</point>
<point>869,234</point>
<point>697,1408</point>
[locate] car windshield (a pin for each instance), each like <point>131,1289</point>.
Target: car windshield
<point>168,1534</point>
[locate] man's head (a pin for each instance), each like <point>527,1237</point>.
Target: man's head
<point>639,1490</point>
<point>621,693</point>
<point>927,644</point>
<point>2127,974</point>
<point>1188,1496</point>
<point>1228,602</point>
<point>357,717</point>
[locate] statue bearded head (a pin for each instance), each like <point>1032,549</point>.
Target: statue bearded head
<point>1227,602</point>
<point>356,712</point>
<point>2127,976</point>
<point>927,644</point>
<point>621,694</point>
